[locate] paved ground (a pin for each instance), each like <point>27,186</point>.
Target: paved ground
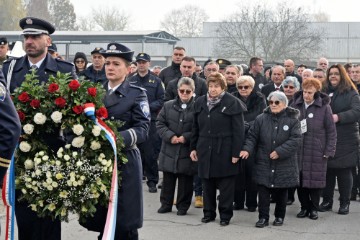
<point>169,226</point>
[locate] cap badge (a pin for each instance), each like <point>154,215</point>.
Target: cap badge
<point>112,47</point>
<point>141,55</point>
<point>29,21</point>
<point>220,61</point>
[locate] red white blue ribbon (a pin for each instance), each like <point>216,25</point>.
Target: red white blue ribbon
<point>8,196</point>
<point>109,230</point>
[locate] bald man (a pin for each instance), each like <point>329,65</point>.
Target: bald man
<point>290,67</point>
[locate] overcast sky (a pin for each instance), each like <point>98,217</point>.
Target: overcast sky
<point>146,15</point>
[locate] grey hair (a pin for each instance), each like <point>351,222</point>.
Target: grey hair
<point>280,96</point>
<point>290,79</point>
<point>187,81</point>
<point>157,67</point>
<point>279,66</point>
<point>243,79</point>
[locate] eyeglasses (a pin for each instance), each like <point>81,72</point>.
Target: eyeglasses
<point>334,74</point>
<point>243,87</point>
<point>211,69</point>
<point>272,102</point>
<point>185,91</point>
<point>79,61</point>
<point>288,86</point>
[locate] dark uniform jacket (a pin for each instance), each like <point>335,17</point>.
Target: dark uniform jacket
<point>128,104</point>
<point>154,91</point>
<point>347,106</point>
<point>269,88</point>
<point>173,120</point>
<point>50,66</point>
<point>169,73</point>
<point>217,136</point>
<point>260,80</point>
<point>95,76</point>
<point>293,74</point>
<point>275,132</point>
<point>318,140</point>
<point>10,127</point>
<point>200,88</point>
<point>231,88</point>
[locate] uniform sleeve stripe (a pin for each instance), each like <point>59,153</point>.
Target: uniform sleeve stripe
<point>132,137</point>
<point>134,134</point>
<point>4,165</point>
<point>4,160</point>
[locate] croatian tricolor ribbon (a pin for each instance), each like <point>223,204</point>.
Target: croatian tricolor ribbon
<point>109,230</point>
<point>8,196</point>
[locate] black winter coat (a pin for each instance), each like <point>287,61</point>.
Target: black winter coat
<point>217,136</point>
<point>318,140</point>
<point>275,132</point>
<point>173,120</point>
<point>169,73</point>
<point>347,106</point>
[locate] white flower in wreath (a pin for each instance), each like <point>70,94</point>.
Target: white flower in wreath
<point>39,118</point>
<point>74,154</point>
<point>29,164</point>
<point>78,129</point>
<point>41,153</point>
<point>60,155</point>
<point>56,116</point>
<point>28,128</point>
<point>66,157</point>
<point>50,188</point>
<point>68,146</point>
<point>52,207</point>
<point>95,145</point>
<point>38,172</point>
<point>96,131</point>
<point>54,184</point>
<point>79,163</point>
<point>37,161</point>
<point>25,146</point>
<point>45,158</point>
<point>78,142</point>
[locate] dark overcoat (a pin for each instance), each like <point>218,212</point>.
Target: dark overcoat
<point>129,105</point>
<point>275,132</point>
<point>347,106</point>
<point>318,140</point>
<point>218,136</point>
<point>173,120</point>
<point>171,88</point>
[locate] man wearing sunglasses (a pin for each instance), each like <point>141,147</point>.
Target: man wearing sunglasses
<point>187,69</point>
<point>277,77</point>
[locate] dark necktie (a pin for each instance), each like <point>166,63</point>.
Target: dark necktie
<point>277,89</point>
<point>34,67</point>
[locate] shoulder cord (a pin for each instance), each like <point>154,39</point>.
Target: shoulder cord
<point>9,74</point>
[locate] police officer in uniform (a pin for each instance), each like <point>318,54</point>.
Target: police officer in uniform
<point>126,103</point>
<point>4,48</point>
<point>10,127</point>
<point>36,41</point>
<point>155,93</point>
<point>96,71</point>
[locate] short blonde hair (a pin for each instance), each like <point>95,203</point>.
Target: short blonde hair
<point>244,79</point>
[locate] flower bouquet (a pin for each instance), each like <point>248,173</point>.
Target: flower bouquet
<point>58,179</point>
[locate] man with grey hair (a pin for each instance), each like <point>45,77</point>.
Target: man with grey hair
<point>211,67</point>
<point>277,77</point>
<point>156,70</point>
<point>320,74</point>
<point>323,63</point>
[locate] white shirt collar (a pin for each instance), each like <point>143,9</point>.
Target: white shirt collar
<point>114,88</point>
<point>38,64</point>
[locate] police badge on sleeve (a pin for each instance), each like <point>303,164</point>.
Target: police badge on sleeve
<point>2,92</point>
<point>145,108</point>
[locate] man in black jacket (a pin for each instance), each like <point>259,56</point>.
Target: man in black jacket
<point>96,72</point>
<point>256,67</point>
<point>290,70</point>
<point>173,71</point>
<point>277,77</point>
<point>187,68</point>
<point>155,93</point>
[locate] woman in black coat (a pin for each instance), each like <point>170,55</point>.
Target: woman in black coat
<point>245,187</point>
<point>174,124</point>
<point>217,137</point>
<point>273,140</point>
<point>345,104</point>
<point>319,143</point>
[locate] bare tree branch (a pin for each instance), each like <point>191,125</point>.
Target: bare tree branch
<point>110,19</point>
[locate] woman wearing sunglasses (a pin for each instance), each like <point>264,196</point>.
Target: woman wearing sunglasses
<point>217,136</point>
<point>273,141</point>
<point>345,105</point>
<point>80,62</point>
<point>319,143</point>
<point>255,102</point>
<point>174,124</point>
<point>290,85</point>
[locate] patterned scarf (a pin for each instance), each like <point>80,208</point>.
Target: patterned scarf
<point>211,102</point>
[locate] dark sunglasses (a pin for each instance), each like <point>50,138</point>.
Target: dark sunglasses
<point>79,61</point>
<point>185,91</point>
<point>288,86</point>
<point>272,102</point>
<point>243,87</point>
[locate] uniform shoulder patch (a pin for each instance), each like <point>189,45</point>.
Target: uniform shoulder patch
<point>144,105</point>
<point>2,92</point>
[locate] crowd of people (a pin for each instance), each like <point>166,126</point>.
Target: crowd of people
<point>234,136</point>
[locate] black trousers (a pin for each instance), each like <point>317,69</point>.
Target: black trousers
<point>345,182</point>
<point>149,156</point>
<point>184,193</point>
<point>280,195</point>
<point>124,235</point>
<point>309,198</point>
<point>226,186</point>
<point>245,187</point>
<point>31,227</point>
